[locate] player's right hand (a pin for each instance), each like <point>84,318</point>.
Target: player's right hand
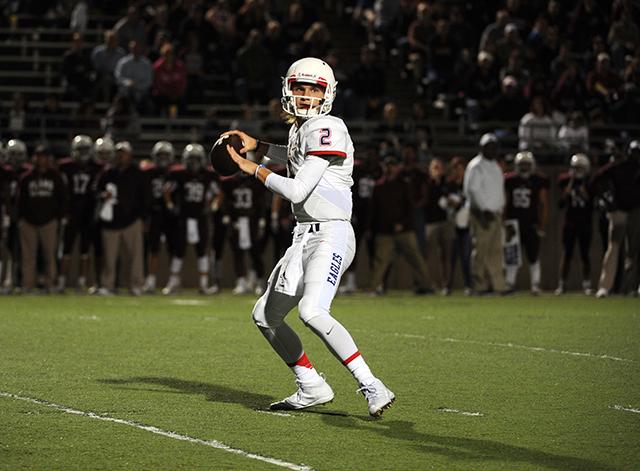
<point>249,142</point>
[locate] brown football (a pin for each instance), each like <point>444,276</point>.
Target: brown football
<point>220,159</point>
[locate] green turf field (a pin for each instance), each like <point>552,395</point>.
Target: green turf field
<point>482,383</point>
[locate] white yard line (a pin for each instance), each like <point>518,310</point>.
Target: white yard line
<point>537,349</point>
<point>150,428</point>
<point>189,302</point>
<point>461,412</point>
<point>500,344</point>
<point>270,412</point>
<point>625,409</point>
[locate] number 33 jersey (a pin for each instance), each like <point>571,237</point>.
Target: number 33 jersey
<point>326,137</point>
<point>523,197</point>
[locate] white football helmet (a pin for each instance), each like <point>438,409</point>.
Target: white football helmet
<point>580,166</point>
<point>313,71</point>
<point>104,149</point>
<point>194,157</point>
<point>81,148</point>
<point>525,164</point>
<point>16,152</point>
<point>163,153</point>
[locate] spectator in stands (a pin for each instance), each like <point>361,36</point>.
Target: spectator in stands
<point>623,37</point>
<point>51,115</point>
<point>130,28</point>
<point>587,20</point>
<point>77,71</point>
<point>555,15</point>
<point>574,135</point>
<point>17,116</point>
<point>253,14</point>
<point>618,185</point>
<point>159,25</point>
<point>275,42</point>
<point>254,67</point>
<point>393,227</point>
<point>444,52</point>
<point>494,32</point>
<point>438,228</point>
<point>483,189</point>
<point>134,76</point>
<point>421,31</point>
<point>483,88</point>
<point>537,130</point>
<point>41,206</point>
<point>194,62</point>
<point>510,105</point>
<point>294,27</point>
<point>212,128</point>
<point>195,23</point>
<point>569,91</point>
<point>603,83</point>
<point>390,129</point>
<point>124,204</point>
<point>169,82</point>
<point>461,246</point>
<point>625,110</point>
<point>562,61</point>
<point>365,87</point>
<point>515,68</point>
<point>316,41</point>
<point>105,57</point>
<point>509,43</point>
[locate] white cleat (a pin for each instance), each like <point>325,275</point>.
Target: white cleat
<point>602,293</point>
<point>173,287</point>
<point>211,290</point>
<point>379,397</point>
<point>559,291</point>
<point>242,287</point>
<point>535,290</point>
<point>305,396</point>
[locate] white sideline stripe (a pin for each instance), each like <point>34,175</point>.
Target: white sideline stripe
<point>506,345</point>
<point>625,409</point>
<point>280,414</point>
<point>461,412</point>
<point>189,302</point>
<point>537,349</point>
<point>150,428</point>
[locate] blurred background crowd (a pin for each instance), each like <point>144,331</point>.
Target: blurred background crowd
<point>420,84</point>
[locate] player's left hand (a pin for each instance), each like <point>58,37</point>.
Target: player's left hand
<point>245,165</point>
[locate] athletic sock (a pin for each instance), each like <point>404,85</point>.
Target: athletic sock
<point>204,279</point>
<point>359,369</point>
<point>151,281</point>
<point>304,371</point>
<point>510,275</point>
<point>534,270</point>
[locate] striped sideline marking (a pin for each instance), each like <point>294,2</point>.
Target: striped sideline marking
<point>461,412</point>
<point>625,409</point>
<point>150,428</point>
<point>512,345</point>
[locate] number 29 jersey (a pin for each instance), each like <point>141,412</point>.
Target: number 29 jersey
<point>523,197</point>
<point>325,137</point>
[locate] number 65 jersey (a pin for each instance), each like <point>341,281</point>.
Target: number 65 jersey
<point>523,197</point>
<point>325,137</point>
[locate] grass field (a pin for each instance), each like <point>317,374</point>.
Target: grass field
<point>515,383</point>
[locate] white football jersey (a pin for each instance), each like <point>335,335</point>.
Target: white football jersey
<point>331,199</point>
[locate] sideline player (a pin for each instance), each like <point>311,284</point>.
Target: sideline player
<point>319,160</point>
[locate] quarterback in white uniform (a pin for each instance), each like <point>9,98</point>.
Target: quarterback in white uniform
<point>319,160</point>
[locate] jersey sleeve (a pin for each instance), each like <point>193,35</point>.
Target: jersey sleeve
<point>326,139</point>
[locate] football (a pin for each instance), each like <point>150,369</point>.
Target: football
<point>220,159</point>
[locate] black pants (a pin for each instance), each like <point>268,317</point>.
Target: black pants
<point>580,231</point>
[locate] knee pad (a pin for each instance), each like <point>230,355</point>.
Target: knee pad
<point>258,313</point>
<point>309,309</point>
<point>321,325</point>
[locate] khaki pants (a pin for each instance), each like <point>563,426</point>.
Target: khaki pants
<point>132,240</point>
<point>487,254</point>
<point>31,236</point>
<point>405,243</point>
<point>439,244</point>
<point>617,229</point>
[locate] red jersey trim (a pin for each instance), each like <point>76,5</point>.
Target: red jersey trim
<point>328,152</point>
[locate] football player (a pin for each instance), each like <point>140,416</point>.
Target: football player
<point>4,204</point>
<point>578,205</point>
<point>16,165</point>
<point>80,172</point>
<point>319,160</point>
<point>245,205</point>
<point>187,195</point>
<point>527,202</point>
<point>160,220</point>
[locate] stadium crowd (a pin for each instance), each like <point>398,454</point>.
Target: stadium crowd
<point>558,69</point>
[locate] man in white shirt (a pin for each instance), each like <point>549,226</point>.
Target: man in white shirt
<point>319,161</point>
<point>484,191</point>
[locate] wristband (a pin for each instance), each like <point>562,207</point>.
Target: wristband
<point>255,174</point>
